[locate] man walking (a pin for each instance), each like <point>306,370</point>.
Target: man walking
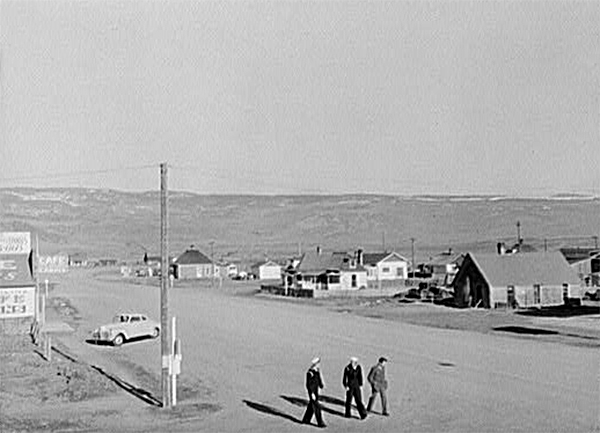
<point>379,385</point>
<point>353,381</point>
<point>313,384</point>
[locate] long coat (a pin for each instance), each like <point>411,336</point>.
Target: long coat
<point>377,378</point>
<point>353,377</point>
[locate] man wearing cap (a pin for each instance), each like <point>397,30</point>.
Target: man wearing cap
<point>353,381</point>
<point>379,385</point>
<point>313,384</point>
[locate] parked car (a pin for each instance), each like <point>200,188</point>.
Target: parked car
<point>125,327</point>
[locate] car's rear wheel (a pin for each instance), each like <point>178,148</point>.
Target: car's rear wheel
<point>118,340</point>
<point>155,333</point>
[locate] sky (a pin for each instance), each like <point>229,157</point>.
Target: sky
<point>303,96</point>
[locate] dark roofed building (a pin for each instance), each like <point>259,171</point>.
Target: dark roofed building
<point>526,280</point>
<point>193,264</point>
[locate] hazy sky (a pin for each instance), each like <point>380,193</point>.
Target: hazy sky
<point>397,97</point>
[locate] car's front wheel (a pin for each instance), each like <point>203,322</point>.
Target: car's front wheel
<point>155,333</point>
<point>118,340</point>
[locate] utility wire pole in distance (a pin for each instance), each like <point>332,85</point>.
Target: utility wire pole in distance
<point>165,344</point>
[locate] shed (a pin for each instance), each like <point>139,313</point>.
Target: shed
<point>525,280</point>
<point>193,264</point>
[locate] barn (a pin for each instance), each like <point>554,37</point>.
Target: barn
<point>515,280</point>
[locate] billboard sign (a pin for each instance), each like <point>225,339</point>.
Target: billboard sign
<point>17,302</point>
<point>15,243</point>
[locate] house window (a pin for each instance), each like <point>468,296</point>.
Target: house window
<point>334,279</point>
<point>399,272</point>
<point>565,290</point>
<point>386,270</point>
<point>353,280</point>
<point>537,294</point>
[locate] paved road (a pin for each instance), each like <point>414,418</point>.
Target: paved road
<point>252,354</point>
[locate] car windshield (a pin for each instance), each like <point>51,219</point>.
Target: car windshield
<point>120,319</point>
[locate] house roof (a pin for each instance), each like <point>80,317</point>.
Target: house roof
<point>376,257</point>
<point>192,257</point>
<point>265,263</point>
<point>525,269</point>
<point>445,258</point>
<point>574,255</point>
<point>313,262</point>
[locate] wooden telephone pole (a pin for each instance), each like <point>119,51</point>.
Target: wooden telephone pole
<point>165,343</point>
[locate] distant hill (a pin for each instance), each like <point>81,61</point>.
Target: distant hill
<point>108,223</point>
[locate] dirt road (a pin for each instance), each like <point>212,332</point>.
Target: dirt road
<point>248,355</point>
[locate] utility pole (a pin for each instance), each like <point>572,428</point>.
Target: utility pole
<point>165,344</point>
<point>383,241</point>
<point>518,232</point>
<point>412,247</point>
<point>595,237</point>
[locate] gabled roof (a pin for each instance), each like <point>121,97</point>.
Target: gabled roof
<point>525,269</point>
<point>266,262</point>
<point>445,258</point>
<point>377,257</point>
<point>313,262</point>
<point>574,255</point>
<point>192,257</point>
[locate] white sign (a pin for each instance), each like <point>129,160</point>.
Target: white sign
<point>15,243</point>
<point>17,302</point>
<point>53,264</point>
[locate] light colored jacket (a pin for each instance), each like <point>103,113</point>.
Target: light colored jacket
<point>377,378</point>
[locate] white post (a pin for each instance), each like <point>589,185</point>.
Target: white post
<point>173,373</point>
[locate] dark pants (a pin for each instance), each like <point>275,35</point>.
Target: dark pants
<point>382,394</point>
<point>354,392</point>
<point>313,408</point>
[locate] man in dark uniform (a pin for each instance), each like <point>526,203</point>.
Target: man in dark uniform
<point>353,381</point>
<point>379,385</point>
<point>313,384</point>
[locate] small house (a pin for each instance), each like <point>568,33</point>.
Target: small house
<point>267,270</point>
<point>193,264</point>
<point>385,266</point>
<point>586,262</point>
<point>321,271</point>
<point>515,280</point>
<point>443,266</point>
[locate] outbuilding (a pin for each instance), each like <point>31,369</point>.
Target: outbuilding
<point>193,264</point>
<point>516,280</point>
<point>267,270</point>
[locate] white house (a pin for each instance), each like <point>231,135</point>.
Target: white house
<point>267,270</point>
<point>385,266</point>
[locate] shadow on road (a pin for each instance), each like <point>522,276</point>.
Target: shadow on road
<point>140,393</point>
<point>271,411</point>
<point>109,343</point>
<point>302,402</point>
<point>525,330</point>
<point>561,311</point>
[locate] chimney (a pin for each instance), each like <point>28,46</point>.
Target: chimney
<point>359,257</point>
<point>318,250</point>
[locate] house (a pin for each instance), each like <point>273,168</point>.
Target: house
<point>193,264</point>
<point>267,270</point>
<point>443,266</point>
<point>586,262</point>
<point>385,266</point>
<point>226,269</point>
<point>523,280</point>
<point>78,260</point>
<point>321,271</point>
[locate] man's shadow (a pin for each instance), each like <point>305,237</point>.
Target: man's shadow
<point>302,402</point>
<point>260,407</point>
